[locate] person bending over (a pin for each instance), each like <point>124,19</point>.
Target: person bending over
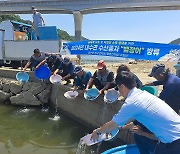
<point>149,110</point>
<point>103,79</point>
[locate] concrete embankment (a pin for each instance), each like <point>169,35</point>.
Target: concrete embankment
<point>90,113</point>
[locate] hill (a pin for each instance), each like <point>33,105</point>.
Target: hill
<point>177,41</point>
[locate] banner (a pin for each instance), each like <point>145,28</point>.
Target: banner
<point>124,49</point>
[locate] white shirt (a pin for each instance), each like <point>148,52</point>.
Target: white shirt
<point>152,112</point>
<point>37,18</point>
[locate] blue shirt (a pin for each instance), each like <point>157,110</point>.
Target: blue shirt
<point>37,19</point>
<point>55,60</point>
<point>36,60</point>
<point>152,112</point>
<point>83,80</point>
<point>171,91</point>
<point>67,69</point>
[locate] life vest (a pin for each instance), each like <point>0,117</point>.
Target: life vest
<point>103,78</point>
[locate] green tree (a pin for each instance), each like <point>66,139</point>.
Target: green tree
<point>15,18</point>
<point>64,35</point>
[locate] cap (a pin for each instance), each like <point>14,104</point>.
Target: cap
<point>53,57</point>
<point>101,64</point>
<point>78,69</point>
<point>66,60</point>
<point>36,50</point>
<point>33,8</point>
<point>157,69</point>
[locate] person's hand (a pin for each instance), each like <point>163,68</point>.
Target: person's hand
<point>101,92</point>
<point>23,70</point>
<point>83,91</point>
<point>95,135</point>
<point>74,88</point>
<point>86,90</point>
<point>54,73</point>
<point>137,129</point>
<point>63,79</point>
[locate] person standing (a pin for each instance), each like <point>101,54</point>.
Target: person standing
<point>149,110</point>
<point>37,21</point>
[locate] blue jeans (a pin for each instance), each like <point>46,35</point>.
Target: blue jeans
<point>145,145</point>
<point>168,148</point>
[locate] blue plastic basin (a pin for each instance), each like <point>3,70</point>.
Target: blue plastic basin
<point>124,149</point>
<point>42,73</point>
<point>91,94</point>
<point>22,76</point>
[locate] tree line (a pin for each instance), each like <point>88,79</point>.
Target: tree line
<point>61,33</point>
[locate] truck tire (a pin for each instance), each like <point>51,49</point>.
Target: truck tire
<point>15,64</point>
<point>1,62</point>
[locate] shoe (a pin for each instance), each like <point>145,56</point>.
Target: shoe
<point>68,82</point>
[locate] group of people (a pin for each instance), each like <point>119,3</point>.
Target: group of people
<point>157,124</point>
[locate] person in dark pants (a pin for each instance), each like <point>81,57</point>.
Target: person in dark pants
<point>171,86</point>
<point>170,94</point>
<point>103,79</point>
<point>82,78</point>
<point>145,145</point>
<point>149,110</point>
<point>66,70</point>
<point>35,59</point>
<point>53,61</point>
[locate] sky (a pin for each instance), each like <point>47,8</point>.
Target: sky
<point>153,26</point>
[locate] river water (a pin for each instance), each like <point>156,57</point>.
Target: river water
<point>33,131</point>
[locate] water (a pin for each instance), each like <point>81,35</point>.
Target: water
<point>91,59</point>
<point>81,147</point>
<point>33,131</point>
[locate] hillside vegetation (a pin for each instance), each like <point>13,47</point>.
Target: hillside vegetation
<point>177,41</point>
<point>61,34</point>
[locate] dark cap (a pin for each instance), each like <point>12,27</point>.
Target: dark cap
<point>66,60</point>
<point>157,69</point>
<point>36,50</point>
<point>53,57</point>
<point>101,64</point>
<point>78,69</point>
<point>33,8</point>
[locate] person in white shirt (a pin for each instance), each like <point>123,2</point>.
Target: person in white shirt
<point>37,21</point>
<point>149,110</point>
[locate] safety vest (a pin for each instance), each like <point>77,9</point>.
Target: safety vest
<point>103,78</point>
